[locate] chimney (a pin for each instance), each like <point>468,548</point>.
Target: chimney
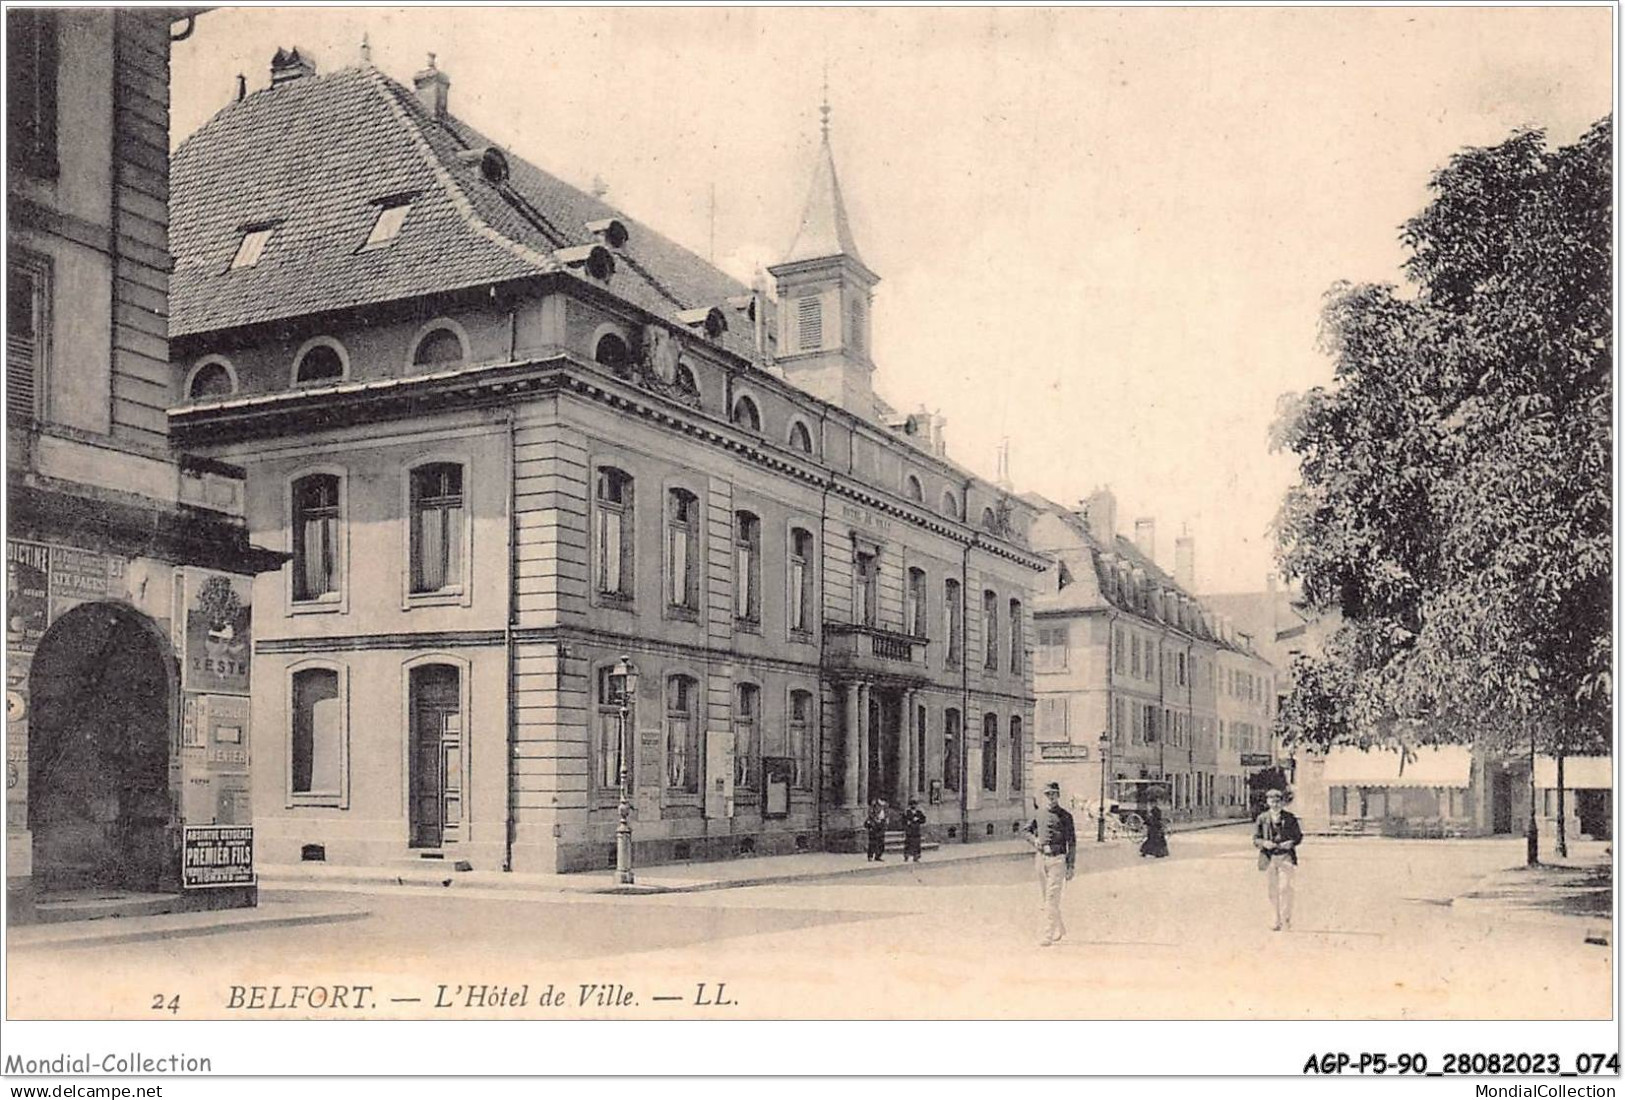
<point>1100,513</point>
<point>1145,536</point>
<point>434,88</point>
<point>290,65</point>
<point>1185,561</point>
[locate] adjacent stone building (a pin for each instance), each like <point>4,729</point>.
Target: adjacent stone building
<point>507,436</point>
<point>127,566</point>
<point>1127,653</point>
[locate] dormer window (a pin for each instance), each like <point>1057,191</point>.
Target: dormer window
<point>391,216</point>
<point>252,246</point>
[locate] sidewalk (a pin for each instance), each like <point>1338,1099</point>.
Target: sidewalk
<point>1575,892</point>
<point>666,878</point>
<point>274,913</point>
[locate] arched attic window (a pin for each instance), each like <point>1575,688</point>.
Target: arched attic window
<point>745,415</point>
<point>613,353</point>
<point>320,361</point>
<point>440,346</point>
<point>913,489</point>
<point>989,522</point>
<point>211,378</point>
<point>950,505</point>
<point>801,438</point>
<point>684,382</point>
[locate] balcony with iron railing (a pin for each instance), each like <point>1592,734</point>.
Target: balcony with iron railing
<point>861,648</point>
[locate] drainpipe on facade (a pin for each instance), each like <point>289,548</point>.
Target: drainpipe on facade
<point>964,702</point>
<point>512,709</point>
<point>818,755</point>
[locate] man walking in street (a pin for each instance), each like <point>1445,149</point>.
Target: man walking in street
<point>913,825</point>
<point>1055,837</point>
<point>1276,835</point>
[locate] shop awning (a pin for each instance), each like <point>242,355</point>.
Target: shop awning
<point>1580,773</point>
<point>1440,766</point>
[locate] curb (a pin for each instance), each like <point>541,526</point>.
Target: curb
<point>270,880</point>
<point>73,935</point>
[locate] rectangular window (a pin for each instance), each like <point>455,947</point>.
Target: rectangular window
<point>1134,655</point>
<point>809,324</point>
<point>317,741</point>
<point>252,247</point>
<point>953,611</point>
<point>747,569</point>
<point>915,614</point>
<point>1180,669</point>
<point>391,216</point>
<point>1338,800</point>
<point>990,752</point>
<point>801,738</point>
<point>1117,651</point>
<point>613,541</point>
<point>31,90</point>
<point>1053,642</point>
<point>1018,754</point>
<point>865,590</point>
<point>682,738</point>
<point>801,581</point>
<point>316,537</point>
<point>1017,637</point>
<point>951,749</point>
<point>437,528</point>
<point>28,297</point>
<point>990,630</point>
<point>747,703</point>
<point>1122,723</point>
<point>610,742</point>
<point>919,749</point>
<point>682,551</point>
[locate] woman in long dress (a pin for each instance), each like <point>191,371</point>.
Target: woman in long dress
<point>1156,837</point>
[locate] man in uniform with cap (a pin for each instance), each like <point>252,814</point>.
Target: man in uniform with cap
<point>1055,837</point>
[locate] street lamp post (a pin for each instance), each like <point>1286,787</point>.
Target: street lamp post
<point>625,675</point>
<point>1105,759</point>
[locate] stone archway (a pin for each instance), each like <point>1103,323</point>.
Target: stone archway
<point>101,691</point>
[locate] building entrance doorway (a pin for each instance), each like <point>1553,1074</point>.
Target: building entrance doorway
<point>436,756</point>
<point>1595,810</point>
<point>884,770</point>
<point>1501,803</point>
<point>101,689</point>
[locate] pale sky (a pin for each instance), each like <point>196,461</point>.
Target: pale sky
<point>1102,232</point>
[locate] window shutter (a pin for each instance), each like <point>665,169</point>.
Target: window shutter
<point>810,324</point>
<point>22,344</point>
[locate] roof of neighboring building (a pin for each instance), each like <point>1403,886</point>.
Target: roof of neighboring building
<point>312,158</point>
<point>1092,586</point>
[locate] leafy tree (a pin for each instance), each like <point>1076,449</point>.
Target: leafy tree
<point>1455,500</point>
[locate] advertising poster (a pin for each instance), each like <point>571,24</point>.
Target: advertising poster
<point>83,576</point>
<point>27,595</point>
<point>218,633</point>
<point>217,855</point>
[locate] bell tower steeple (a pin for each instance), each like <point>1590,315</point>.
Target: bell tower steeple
<point>825,291</point>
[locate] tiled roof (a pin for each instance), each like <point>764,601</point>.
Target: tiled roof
<point>313,156</point>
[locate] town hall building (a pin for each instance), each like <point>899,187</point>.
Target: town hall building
<point>569,512</point>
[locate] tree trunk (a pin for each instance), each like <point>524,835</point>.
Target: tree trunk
<point>1562,829</point>
<point>1532,853</point>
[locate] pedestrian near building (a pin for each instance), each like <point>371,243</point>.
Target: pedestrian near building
<point>1055,837</point>
<point>1156,835</point>
<point>913,823</point>
<point>875,826</point>
<point>1276,835</point>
